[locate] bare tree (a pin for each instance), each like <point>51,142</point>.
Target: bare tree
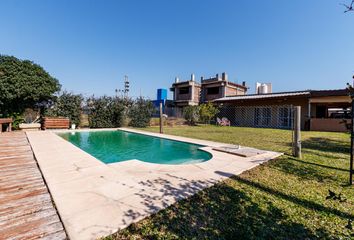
<point>348,8</point>
<point>350,89</point>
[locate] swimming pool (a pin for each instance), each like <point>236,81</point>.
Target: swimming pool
<point>116,146</point>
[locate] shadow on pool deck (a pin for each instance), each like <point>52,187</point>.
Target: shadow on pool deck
<point>169,193</point>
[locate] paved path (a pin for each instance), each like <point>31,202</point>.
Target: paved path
<point>26,209</point>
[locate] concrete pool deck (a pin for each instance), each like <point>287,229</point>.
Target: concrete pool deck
<point>96,199</point>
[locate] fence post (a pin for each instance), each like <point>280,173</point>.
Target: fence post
<point>351,164</point>
<point>297,132</point>
<point>161,118</point>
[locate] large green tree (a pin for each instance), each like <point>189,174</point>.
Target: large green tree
<point>23,84</point>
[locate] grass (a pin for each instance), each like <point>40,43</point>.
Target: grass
<point>283,199</point>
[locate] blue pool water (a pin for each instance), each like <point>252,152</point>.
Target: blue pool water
<point>116,146</point>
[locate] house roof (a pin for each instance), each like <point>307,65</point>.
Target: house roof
<point>238,85</point>
<point>215,80</point>
<point>327,93</point>
<point>185,83</point>
<point>307,93</point>
<point>264,96</point>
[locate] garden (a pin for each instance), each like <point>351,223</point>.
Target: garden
<point>287,198</point>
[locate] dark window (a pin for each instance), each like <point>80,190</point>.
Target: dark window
<point>284,117</point>
<point>321,111</point>
<point>213,90</point>
<point>262,116</point>
<point>184,90</point>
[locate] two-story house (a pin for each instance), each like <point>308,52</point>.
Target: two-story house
<point>186,92</point>
<point>218,87</point>
<point>190,92</point>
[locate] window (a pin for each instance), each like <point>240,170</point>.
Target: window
<point>184,90</point>
<point>284,117</point>
<point>213,90</point>
<point>262,116</point>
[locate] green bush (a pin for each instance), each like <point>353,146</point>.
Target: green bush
<point>141,112</point>
<point>66,105</point>
<point>17,119</point>
<point>106,112</point>
<point>191,114</point>
<point>207,111</point>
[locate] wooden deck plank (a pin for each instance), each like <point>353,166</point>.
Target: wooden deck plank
<point>26,208</point>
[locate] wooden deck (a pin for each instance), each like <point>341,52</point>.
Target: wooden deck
<point>26,208</point>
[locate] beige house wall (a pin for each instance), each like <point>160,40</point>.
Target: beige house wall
<point>329,124</point>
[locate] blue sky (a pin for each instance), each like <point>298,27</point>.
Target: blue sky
<point>90,45</point>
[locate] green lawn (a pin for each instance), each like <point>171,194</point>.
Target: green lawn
<point>283,199</point>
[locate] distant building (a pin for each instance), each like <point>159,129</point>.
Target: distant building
<point>186,92</point>
<point>321,110</point>
<point>218,87</point>
<point>190,92</point>
<point>161,97</point>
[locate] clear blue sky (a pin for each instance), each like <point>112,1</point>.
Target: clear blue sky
<point>89,45</point>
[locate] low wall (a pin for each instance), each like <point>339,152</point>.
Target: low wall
<point>167,122</point>
<point>329,124</point>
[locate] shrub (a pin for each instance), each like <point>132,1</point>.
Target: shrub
<point>17,119</point>
<point>207,111</point>
<point>141,112</point>
<point>67,105</point>
<point>105,112</point>
<point>191,114</point>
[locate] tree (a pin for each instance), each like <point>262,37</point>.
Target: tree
<point>23,84</point>
<point>67,105</point>
<point>140,112</point>
<point>106,112</point>
<point>191,114</point>
<point>207,111</point>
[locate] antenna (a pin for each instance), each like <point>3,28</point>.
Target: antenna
<point>126,86</point>
<point>124,91</point>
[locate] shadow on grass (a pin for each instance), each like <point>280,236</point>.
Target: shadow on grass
<point>304,203</point>
<point>219,212</point>
<point>326,145</point>
<point>319,165</point>
<point>305,170</point>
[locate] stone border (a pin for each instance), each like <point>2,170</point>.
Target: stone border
<point>96,199</point>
